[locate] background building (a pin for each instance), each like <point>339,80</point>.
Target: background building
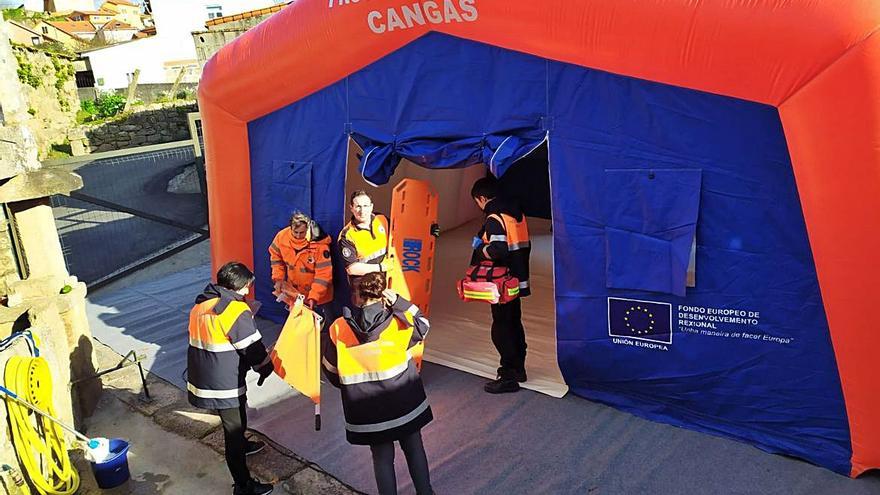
<point>125,11</point>
<point>82,30</point>
<point>160,58</point>
<point>115,31</point>
<point>221,30</point>
<point>66,5</point>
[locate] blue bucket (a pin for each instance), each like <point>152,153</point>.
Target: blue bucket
<point>114,470</point>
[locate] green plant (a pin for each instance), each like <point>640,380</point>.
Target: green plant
<point>64,72</point>
<point>26,73</point>
<point>109,104</point>
<point>21,15</point>
<point>55,47</point>
<point>59,151</point>
<point>32,111</point>
<point>18,14</point>
<point>88,106</point>
<point>87,111</point>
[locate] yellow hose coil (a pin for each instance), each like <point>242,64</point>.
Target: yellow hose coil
<point>39,442</point>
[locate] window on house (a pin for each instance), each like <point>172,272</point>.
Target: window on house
<point>215,11</point>
<point>35,40</point>
<point>45,30</point>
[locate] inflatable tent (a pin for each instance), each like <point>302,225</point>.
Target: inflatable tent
<point>713,171</point>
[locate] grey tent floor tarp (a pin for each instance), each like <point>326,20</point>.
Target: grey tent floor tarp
<point>512,444</point>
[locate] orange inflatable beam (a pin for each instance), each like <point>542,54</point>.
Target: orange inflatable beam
<point>816,61</point>
<point>833,130</point>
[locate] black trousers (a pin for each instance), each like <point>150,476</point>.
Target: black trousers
<point>234,425</point>
<point>416,462</point>
<point>509,337</point>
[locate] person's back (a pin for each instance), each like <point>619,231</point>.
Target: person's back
<point>504,240</point>
<point>507,220</point>
<point>223,343</point>
<point>368,354</point>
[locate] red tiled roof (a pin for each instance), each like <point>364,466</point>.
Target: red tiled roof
<point>116,25</point>
<point>245,15</point>
<point>92,12</point>
<point>72,27</point>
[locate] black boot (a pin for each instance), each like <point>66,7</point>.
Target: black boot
<point>518,375</point>
<point>502,386</point>
<point>252,487</point>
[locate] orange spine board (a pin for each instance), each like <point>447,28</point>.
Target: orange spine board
<point>413,210</point>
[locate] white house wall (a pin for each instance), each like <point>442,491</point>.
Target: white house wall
<point>159,57</point>
<point>112,65</point>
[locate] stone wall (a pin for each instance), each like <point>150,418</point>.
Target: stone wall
<point>36,292</point>
<point>49,90</point>
<point>153,125</point>
<point>210,41</point>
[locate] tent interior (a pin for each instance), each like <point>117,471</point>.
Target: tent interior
<point>460,336</point>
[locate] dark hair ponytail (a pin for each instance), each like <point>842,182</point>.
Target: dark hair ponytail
<point>371,286</point>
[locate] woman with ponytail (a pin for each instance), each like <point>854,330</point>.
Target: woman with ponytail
<point>368,354</point>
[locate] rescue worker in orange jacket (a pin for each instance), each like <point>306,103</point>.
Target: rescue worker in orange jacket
<point>300,260</point>
<point>504,240</point>
<point>368,354</point>
<point>223,343</point>
<point>363,243</point>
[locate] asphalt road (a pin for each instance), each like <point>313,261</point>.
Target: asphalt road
<point>98,240</point>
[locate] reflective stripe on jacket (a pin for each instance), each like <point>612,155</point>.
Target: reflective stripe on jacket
<point>369,245</point>
<point>308,269</point>
<point>519,246</point>
<point>382,393</point>
<point>223,342</point>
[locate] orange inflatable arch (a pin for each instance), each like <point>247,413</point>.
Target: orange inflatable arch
<point>817,62</point>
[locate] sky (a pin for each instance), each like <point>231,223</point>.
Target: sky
<point>15,3</point>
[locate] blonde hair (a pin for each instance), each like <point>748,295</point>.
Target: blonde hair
<point>299,218</point>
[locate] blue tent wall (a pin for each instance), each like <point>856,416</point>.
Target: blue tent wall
<point>688,160</point>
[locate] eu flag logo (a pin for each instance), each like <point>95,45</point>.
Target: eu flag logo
<point>642,320</point>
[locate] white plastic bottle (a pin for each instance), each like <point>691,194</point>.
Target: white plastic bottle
<point>98,449</point>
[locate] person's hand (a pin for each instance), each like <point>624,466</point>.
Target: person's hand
<point>435,230</point>
<point>476,243</point>
<point>389,296</point>
<point>264,372</point>
<point>311,303</point>
<point>277,287</point>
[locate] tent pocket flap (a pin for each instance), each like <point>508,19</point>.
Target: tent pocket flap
<point>650,224</point>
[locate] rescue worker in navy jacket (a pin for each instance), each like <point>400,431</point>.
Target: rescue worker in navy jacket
<point>368,354</point>
<point>363,243</point>
<point>223,343</point>
<point>504,240</point>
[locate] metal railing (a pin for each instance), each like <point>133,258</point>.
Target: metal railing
<point>137,206</point>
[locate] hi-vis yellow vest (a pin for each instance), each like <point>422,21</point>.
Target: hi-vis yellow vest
<point>517,232</point>
<point>381,359</point>
<point>371,245</point>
